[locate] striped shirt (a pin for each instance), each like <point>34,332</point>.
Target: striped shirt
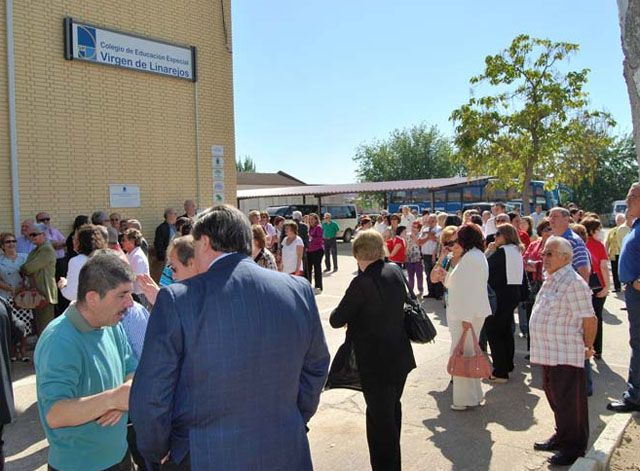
<point>580,253</point>
<point>134,323</point>
<point>556,321</point>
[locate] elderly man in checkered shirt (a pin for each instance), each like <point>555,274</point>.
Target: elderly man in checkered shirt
<point>563,327</point>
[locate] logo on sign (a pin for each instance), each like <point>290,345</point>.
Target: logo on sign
<point>87,43</point>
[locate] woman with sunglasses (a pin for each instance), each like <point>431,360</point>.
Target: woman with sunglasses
<point>468,306</point>
<point>10,282</point>
<point>506,277</point>
<point>446,260</point>
<point>181,257</point>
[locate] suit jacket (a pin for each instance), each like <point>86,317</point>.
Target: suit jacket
<point>373,309</point>
<point>232,367</point>
<point>7,410</point>
<point>41,266</point>
<point>161,241</point>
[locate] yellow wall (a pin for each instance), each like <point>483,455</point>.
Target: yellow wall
<point>82,126</point>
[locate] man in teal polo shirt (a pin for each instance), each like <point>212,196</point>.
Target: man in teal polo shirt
<point>329,232</point>
<point>84,368</point>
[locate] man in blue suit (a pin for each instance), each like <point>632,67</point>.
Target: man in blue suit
<point>233,362</point>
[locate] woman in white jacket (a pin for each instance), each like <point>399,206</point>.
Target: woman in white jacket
<point>468,306</point>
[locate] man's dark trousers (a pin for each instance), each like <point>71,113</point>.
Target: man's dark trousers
<point>331,252</point>
<point>632,298</point>
<point>565,388</point>
<point>434,289</point>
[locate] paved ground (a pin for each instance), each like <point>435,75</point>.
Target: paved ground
<point>498,436</point>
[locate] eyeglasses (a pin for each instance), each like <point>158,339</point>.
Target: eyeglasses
<point>548,253</point>
<point>451,243</point>
<point>34,234</point>
<point>547,229</point>
<point>10,242</point>
<point>44,219</point>
<point>114,219</point>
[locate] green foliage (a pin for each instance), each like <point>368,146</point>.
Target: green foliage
<point>536,124</point>
<point>408,154</point>
<point>245,164</point>
<point>616,170</point>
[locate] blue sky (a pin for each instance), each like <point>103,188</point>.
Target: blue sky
<point>313,80</point>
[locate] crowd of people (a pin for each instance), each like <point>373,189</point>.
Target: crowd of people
<point>182,339</point>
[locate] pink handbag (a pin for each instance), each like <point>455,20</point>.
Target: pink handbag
<point>475,366</point>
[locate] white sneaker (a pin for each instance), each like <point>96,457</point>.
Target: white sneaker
<point>317,291</point>
<point>454,407</point>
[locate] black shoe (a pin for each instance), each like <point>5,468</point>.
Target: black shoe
<point>327,269</point>
<point>548,445</point>
<point>561,459</point>
<point>622,406</point>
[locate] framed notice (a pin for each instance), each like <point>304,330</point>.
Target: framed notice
<point>104,46</point>
<point>124,196</point>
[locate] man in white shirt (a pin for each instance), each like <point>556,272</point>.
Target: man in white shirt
<point>428,242</point>
<point>490,228</point>
<point>537,216</point>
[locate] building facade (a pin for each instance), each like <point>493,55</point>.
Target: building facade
<point>85,132</point>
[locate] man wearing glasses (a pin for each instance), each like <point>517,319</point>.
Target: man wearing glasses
<point>629,274</point>
<point>41,267</point>
<point>563,328</point>
<point>559,218</point>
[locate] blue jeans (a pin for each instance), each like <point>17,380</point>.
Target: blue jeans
<point>632,298</point>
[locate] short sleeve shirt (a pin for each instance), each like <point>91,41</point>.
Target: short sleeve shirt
<point>290,256</point>
<point>598,254</point>
<point>74,360</point>
<point>330,230</point>
<point>629,263</point>
<point>400,256</point>
<point>556,320</point>
<point>580,253</point>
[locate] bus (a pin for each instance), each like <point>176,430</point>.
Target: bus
<point>454,199</point>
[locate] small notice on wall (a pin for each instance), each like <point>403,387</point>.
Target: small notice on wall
<point>124,196</point>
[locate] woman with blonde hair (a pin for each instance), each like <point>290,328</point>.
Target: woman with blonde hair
<point>373,311</point>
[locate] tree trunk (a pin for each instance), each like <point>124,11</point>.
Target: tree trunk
<point>526,206</point>
<point>629,13</point>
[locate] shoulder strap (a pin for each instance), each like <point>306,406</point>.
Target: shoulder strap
<point>406,284</point>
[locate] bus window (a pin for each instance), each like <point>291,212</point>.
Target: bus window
<point>472,194</point>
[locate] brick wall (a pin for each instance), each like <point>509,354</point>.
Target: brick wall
<point>82,126</point>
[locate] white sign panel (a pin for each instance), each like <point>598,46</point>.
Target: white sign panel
<point>103,46</point>
<point>218,187</point>
<point>218,174</point>
<point>218,162</point>
<point>124,196</point>
<point>217,151</point>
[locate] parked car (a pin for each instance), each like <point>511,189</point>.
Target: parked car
<point>345,215</point>
<point>619,206</point>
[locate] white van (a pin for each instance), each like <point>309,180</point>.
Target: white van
<point>345,215</point>
<point>619,206</point>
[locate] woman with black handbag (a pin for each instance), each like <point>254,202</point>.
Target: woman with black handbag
<point>373,310</point>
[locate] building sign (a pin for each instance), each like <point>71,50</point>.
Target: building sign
<point>103,46</point>
<point>124,196</point>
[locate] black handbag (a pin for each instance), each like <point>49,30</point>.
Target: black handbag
<point>343,372</point>
<point>419,327</point>
<point>594,280</point>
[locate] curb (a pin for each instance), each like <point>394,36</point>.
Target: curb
<point>598,457</point>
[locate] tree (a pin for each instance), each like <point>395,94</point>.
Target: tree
<point>616,170</point>
<point>245,164</point>
<point>630,37</point>
<point>407,154</point>
<point>536,124</point>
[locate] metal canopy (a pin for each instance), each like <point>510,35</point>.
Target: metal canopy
<point>432,184</point>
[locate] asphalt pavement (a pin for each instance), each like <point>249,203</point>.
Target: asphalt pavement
<point>496,436</point>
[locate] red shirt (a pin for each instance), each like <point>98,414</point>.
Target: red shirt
<point>598,253</point>
<point>402,253</point>
<point>524,238</point>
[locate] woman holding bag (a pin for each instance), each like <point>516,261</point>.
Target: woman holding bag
<point>373,310</point>
<point>468,306</point>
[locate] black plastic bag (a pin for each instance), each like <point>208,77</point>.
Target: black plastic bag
<point>343,372</point>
